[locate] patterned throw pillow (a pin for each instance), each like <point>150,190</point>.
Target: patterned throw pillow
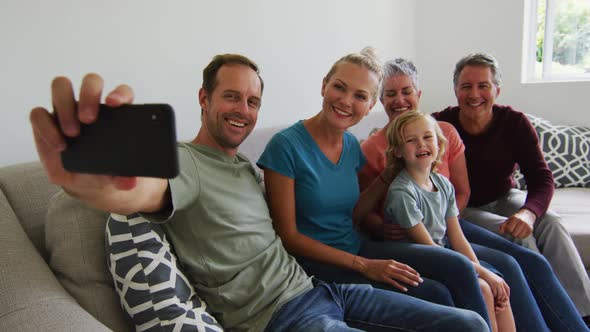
<point>153,291</point>
<point>519,179</point>
<point>567,153</point>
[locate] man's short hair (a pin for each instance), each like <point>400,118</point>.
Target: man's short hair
<point>482,60</point>
<point>210,72</point>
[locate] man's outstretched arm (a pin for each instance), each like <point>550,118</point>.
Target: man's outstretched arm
<point>123,195</point>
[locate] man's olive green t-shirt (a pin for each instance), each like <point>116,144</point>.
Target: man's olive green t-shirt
<point>221,230</point>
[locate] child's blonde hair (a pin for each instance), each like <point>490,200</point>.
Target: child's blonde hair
<point>395,138</point>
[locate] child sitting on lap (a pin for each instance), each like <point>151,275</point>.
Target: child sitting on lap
<point>423,201</point>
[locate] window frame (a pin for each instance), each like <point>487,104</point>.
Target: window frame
<point>530,45</point>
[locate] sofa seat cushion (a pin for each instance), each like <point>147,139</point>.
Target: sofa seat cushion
<point>74,236</point>
<point>152,289</point>
<point>573,206</point>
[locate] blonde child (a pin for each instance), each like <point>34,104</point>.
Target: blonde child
<point>422,201</point>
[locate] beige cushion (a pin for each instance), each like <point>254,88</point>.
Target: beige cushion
<point>74,236</point>
<point>28,191</point>
<point>31,299</point>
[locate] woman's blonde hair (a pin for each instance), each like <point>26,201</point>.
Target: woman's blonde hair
<point>395,138</point>
<point>366,58</point>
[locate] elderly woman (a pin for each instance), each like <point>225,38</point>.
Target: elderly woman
<point>400,93</point>
<point>497,139</point>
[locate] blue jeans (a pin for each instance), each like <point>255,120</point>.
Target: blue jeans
<point>527,315</point>
<point>552,302</point>
<point>549,238</point>
<point>332,307</point>
<point>449,277</point>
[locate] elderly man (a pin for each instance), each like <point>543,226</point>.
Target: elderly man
<point>497,138</point>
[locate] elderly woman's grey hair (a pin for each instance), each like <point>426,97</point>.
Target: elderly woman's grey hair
<point>399,67</point>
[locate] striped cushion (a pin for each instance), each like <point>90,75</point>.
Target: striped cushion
<point>153,291</point>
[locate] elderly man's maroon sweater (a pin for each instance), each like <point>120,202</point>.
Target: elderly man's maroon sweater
<point>492,156</point>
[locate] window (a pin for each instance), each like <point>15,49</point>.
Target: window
<point>557,38</point>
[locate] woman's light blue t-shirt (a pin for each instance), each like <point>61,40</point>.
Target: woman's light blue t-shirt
<point>325,193</point>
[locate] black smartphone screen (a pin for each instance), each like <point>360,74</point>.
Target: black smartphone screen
<point>130,140</point>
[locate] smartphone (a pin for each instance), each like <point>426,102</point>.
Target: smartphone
<point>130,140</point>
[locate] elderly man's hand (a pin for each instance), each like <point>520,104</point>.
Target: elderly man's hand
<point>520,224</point>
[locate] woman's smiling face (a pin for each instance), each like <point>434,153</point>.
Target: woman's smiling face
<point>349,94</point>
<point>399,96</point>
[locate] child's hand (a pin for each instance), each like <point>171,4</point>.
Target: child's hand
<point>500,306</point>
<point>500,288</point>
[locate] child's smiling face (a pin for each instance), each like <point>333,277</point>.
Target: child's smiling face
<point>420,144</point>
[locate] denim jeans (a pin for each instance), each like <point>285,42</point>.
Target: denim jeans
<point>556,307</point>
<point>527,315</point>
<point>449,277</point>
<point>549,237</point>
<point>333,307</point>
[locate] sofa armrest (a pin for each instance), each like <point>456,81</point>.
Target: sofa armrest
<point>31,298</point>
<point>50,315</point>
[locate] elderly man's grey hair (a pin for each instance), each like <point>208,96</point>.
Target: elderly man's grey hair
<point>478,59</point>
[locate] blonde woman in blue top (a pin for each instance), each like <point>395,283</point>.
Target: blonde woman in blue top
<point>310,172</point>
<point>423,202</point>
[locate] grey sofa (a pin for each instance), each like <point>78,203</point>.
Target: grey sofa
<point>34,259</point>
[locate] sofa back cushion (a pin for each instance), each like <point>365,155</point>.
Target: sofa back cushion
<point>28,192</point>
<point>254,145</point>
<point>75,242</point>
<point>31,298</point>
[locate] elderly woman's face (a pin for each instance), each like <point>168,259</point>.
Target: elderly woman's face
<point>399,96</point>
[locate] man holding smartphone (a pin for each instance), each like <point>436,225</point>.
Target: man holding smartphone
<point>218,192</point>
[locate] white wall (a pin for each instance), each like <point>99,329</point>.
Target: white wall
<point>447,30</point>
<point>160,49</point>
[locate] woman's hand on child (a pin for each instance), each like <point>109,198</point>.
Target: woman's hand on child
<point>394,232</point>
<point>391,272</point>
<point>389,158</point>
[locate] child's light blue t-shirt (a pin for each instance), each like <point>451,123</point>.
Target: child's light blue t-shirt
<point>325,193</point>
<point>407,204</point>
